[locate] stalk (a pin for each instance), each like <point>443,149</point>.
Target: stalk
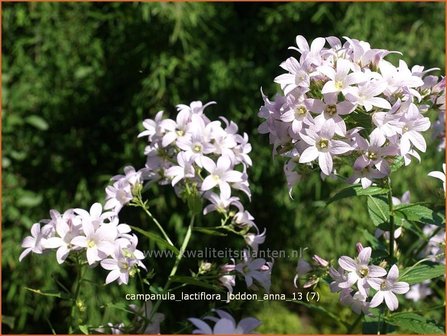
<point>392,224</point>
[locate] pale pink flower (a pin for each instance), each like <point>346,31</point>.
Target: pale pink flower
<point>322,147</point>
<point>225,324</point>
<point>340,80</point>
<point>359,270</point>
<point>184,169</point>
<point>35,242</point>
<point>387,289</point>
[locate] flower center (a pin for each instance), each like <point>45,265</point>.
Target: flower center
<point>339,85</point>
<point>180,133</point>
<point>91,244</point>
<point>197,148</point>
<point>215,177</point>
<point>300,111</point>
<point>121,196</point>
<point>124,265</point>
<point>331,109</point>
<point>372,155</point>
<point>405,129</point>
<point>384,286</point>
<point>364,271</point>
<point>323,144</point>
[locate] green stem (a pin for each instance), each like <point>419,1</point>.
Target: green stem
<point>79,275</point>
<point>354,324</point>
<point>390,204</point>
<point>165,235</point>
<point>178,259</point>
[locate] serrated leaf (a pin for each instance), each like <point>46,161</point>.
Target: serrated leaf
<point>357,190</point>
<point>421,272</point>
<point>415,323</point>
<point>194,282</point>
<point>421,214</point>
<point>378,209</point>
<point>37,122</point>
<point>163,244</point>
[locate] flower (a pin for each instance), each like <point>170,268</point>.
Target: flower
<point>388,288</point>
<point>220,175</point>
<point>258,270</point>
<point>419,292</point>
<point>323,147</point>
<point>68,227</point>
<point>125,259</point>
<point>225,324</point>
<point>439,175</point>
<point>359,270</point>
<point>357,302</point>
<point>35,242</point>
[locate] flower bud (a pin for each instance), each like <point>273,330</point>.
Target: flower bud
<point>320,261</point>
<point>359,247</point>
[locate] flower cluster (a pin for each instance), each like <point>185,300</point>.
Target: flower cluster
<point>224,324</point>
<point>96,236</point>
<point>194,152</point>
<point>347,106</point>
<point>355,278</point>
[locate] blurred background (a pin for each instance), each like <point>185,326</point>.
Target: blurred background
<point>79,78</point>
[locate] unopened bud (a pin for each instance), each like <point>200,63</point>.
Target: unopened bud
<point>359,247</point>
<point>320,261</point>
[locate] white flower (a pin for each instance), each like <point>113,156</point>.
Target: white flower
<point>225,324</point>
<point>359,270</point>
<point>439,175</point>
<point>97,241</point>
<point>183,170</point>
<point>67,228</point>
<point>35,242</point>
<point>258,270</point>
<point>357,302</point>
<point>388,288</point>
<point>221,174</point>
<point>419,292</point>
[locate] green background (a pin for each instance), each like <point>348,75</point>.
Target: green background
<point>79,78</point>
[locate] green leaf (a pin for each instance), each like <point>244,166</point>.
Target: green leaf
<point>8,320</point>
<point>209,231</point>
<point>194,282</point>
<point>84,329</point>
<point>50,294</point>
<point>29,200</point>
<point>415,323</point>
<point>37,122</point>
<point>378,209</point>
<point>421,272</point>
<point>375,243</point>
<point>357,190</point>
<point>421,214</point>
<point>397,163</point>
<point>163,244</point>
